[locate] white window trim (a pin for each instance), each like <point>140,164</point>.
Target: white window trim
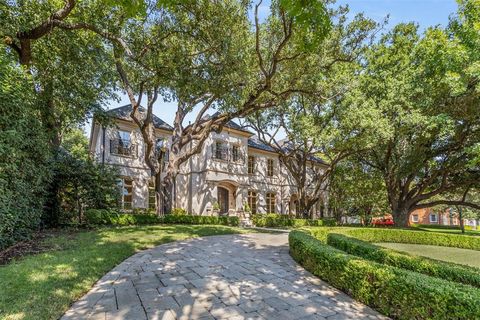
<point>415,218</point>
<point>433,220</point>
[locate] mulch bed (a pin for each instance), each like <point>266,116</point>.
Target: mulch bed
<point>33,246</point>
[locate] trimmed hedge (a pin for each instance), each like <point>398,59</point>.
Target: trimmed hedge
<point>395,292</point>
<point>110,217</point>
<point>414,236</point>
<point>439,269</point>
<point>275,220</point>
<point>190,219</point>
<point>439,226</point>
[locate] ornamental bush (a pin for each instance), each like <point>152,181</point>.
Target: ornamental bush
<point>439,269</point>
<point>275,220</point>
<point>395,292</point>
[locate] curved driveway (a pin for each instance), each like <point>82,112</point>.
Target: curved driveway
<point>220,277</point>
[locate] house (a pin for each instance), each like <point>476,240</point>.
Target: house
<point>429,216</point>
<point>233,169</point>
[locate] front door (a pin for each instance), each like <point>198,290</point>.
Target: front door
<point>223,199</point>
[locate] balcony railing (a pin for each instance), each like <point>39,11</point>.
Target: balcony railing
<point>123,148</point>
<point>227,154</point>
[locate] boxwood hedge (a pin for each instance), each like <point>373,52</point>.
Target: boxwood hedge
<point>414,236</point>
<point>398,293</point>
<point>275,220</point>
<point>111,217</point>
<point>439,269</point>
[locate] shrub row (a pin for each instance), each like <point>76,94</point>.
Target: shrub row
<point>439,226</point>
<point>110,217</point>
<point>414,236</point>
<point>395,292</point>
<point>275,220</point>
<point>191,219</point>
<point>439,269</point>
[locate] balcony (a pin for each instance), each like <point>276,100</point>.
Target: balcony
<point>223,153</point>
<point>123,148</point>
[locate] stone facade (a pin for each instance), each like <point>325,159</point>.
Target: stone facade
<point>218,179</point>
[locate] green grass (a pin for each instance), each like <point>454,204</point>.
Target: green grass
<point>455,255</point>
<point>455,231</point>
<point>43,286</point>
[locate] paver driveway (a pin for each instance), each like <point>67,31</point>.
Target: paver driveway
<point>221,277</point>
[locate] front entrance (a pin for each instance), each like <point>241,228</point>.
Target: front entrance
<point>222,197</point>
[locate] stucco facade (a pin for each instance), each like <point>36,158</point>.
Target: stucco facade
<point>216,179</point>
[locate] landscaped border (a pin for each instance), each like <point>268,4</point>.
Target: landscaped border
<point>110,217</point>
<point>398,293</point>
<point>436,268</point>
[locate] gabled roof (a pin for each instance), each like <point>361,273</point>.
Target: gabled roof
<point>123,113</point>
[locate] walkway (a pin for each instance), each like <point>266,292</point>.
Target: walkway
<point>221,277</point>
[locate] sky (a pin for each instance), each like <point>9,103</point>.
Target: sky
<point>425,12</point>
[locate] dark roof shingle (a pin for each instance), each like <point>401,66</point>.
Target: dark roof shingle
<point>123,113</point>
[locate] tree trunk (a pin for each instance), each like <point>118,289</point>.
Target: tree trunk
<point>460,216</point>
<point>400,216</point>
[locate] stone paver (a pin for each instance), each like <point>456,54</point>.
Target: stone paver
<point>221,277</point>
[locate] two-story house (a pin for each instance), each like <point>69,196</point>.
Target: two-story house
<point>232,169</point>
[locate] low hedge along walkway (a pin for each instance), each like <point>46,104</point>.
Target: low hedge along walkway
<point>396,292</point>
<point>436,268</point>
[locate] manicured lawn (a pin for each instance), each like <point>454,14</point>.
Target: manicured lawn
<point>455,231</point>
<point>43,286</point>
<point>456,255</point>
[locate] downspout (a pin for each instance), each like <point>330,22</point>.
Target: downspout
<point>103,144</point>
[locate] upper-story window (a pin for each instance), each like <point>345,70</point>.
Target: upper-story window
<point>220,150</point>
<point>251,164</point>
<point>270,164</point>
<point>122,144</point>
<point>236,153</point>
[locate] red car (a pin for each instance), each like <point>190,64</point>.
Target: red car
<point>386,222</point>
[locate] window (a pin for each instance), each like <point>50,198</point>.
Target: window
<point>271,202</point>
<point>433,217</point>
<point>414,217</point>
<point>122,144</point>
<point>152,199</point>
<point>251,164</point>
<point>252,201</point>
<point>220,151</point>
<point>270,167</point>
<point>236,154</point>
<point>126,193</point>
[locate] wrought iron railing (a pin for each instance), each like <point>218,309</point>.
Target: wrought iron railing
<point>123,148</point>
<point>227,154</point>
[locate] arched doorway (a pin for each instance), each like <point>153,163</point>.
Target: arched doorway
<point>223,199</point>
